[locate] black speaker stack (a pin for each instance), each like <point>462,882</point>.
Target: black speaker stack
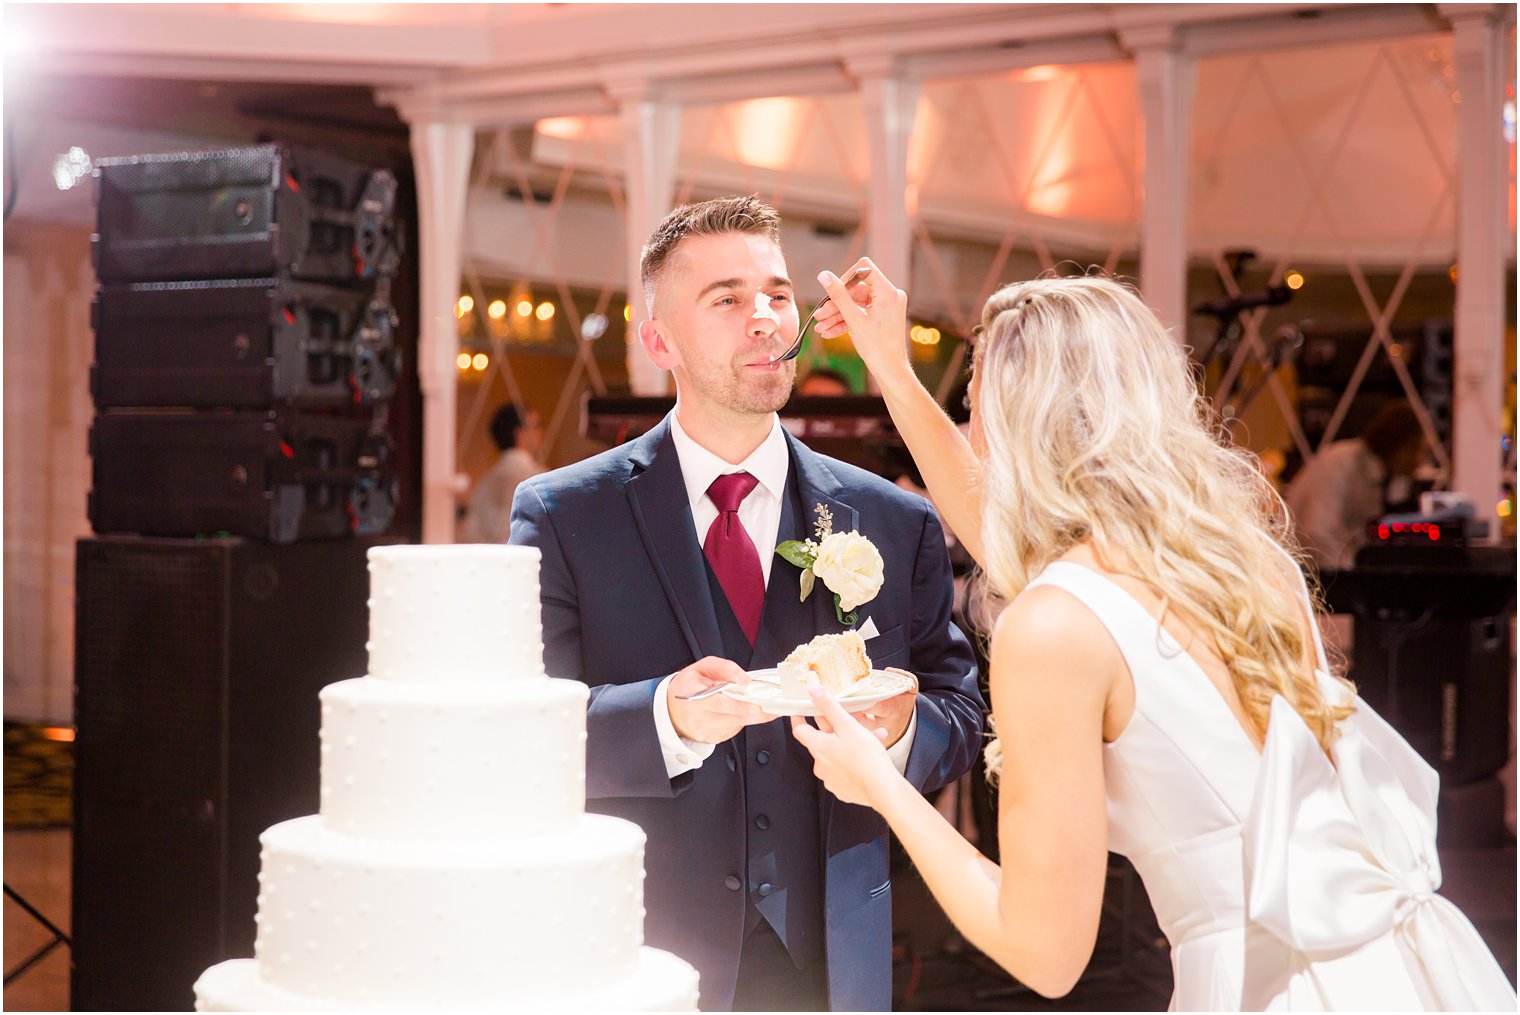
<point>245,345</point>
<point>1431,654</point>
<point>246,355</point>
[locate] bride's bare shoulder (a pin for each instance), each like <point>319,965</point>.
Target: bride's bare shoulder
<point>1046,626</point>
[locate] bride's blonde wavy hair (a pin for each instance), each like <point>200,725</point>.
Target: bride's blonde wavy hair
<point>1095,429</point>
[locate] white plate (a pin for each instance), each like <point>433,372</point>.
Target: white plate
<point>764,689</point>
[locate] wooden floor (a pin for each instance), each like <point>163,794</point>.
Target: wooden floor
<point>37,869</point>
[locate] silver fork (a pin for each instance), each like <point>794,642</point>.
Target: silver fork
<point>797,345</point>
<point>706,692</point>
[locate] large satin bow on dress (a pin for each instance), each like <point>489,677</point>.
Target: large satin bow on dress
<point>1342,857</point>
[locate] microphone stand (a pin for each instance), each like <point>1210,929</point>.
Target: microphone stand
<point>1290,338</point>
<point>1227,310</point>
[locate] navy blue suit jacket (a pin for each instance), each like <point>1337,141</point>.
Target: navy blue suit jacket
<point>626,602</point>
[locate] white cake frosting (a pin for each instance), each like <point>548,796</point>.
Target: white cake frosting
<point>452,865</point>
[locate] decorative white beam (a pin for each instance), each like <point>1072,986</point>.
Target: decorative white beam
<point>825,78</point>
<point>179,67</point>
<point>972,62</point>
<point>562,53</point>
<point>1165,78</point>
<point>1316,25</point>
<point>651,127</point>
<point>889,101</point>
<point>508,111</point>
<point>1484,247</point>
<point>166,33</point>
<point>441,152</point>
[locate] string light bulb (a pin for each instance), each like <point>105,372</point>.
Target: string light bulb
<point>466,304</point>
<point>545,310</point>
<point>497,309</point>
<point>481,361</point>
<point>462,361</point>
<point>524,308</point>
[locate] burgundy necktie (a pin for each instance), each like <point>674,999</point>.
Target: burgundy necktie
<point>732,554</point>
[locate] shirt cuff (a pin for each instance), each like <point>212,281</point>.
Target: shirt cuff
<point>898,752</point>
<point>681,755</point>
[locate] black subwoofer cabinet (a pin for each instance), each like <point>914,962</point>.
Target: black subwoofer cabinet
<point>197,668</point>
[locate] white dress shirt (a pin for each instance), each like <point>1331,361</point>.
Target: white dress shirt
<point>1333,498</point>
<point>760,514</point>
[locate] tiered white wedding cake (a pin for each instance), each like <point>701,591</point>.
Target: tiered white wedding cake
<point>453,864</point>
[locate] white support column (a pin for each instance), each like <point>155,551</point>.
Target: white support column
<point>1482,252</point>
<point>441,152</point>
<point>651,138</point>
<point>889,101</point>
<point>1165,78</point>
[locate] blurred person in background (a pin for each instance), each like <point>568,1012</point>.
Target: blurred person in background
<point>1345,486</point>
<point>823,381</point>
<point>519,438</point>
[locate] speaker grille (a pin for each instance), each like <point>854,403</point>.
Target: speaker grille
<point>150,786</point>
<point>198,667</point>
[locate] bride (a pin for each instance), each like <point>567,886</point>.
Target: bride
<point>1158,685</point>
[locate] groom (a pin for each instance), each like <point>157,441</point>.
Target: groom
<point>659,577</point>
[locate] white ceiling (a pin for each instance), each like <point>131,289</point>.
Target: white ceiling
<point>1319,132</point>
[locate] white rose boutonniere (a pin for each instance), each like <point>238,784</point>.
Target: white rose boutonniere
<point>848,563</point>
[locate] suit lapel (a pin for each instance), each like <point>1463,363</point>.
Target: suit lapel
<point>817,485</point>
<point>657,497</point>
<point>787,622</point>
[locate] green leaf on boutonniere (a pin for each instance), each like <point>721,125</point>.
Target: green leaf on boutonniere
<point>807,583</point>
<point>792,552</point>
<point>847,619</point>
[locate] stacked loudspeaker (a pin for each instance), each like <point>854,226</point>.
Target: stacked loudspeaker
<point>245,345</point>
<point>246,355</point>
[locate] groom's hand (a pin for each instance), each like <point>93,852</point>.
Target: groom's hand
<point>717,717</point>
<point>891,714</point>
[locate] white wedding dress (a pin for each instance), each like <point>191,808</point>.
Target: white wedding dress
<point>1282,882</point>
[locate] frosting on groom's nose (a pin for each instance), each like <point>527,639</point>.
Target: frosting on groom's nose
<point>764,310</point>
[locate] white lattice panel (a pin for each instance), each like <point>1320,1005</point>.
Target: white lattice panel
<point>1318,140</point>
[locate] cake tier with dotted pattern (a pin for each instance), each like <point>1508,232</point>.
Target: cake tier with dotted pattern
<point>449,923</point>
<point>454,614</point>
<point>487,760</point>
<point>660,982</point>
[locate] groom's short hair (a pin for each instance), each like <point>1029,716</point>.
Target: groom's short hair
<point>738,214</point>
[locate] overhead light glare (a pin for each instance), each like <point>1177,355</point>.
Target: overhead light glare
<point>71,167</point>
<point>594,327</point>
<point>1041,72</point>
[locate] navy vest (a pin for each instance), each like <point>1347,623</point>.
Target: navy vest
<point>784,847</point>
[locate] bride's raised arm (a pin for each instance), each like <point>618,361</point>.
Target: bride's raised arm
<point>878,328</point>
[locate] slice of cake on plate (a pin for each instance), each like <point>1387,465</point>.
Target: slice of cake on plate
<point>837,661</point>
